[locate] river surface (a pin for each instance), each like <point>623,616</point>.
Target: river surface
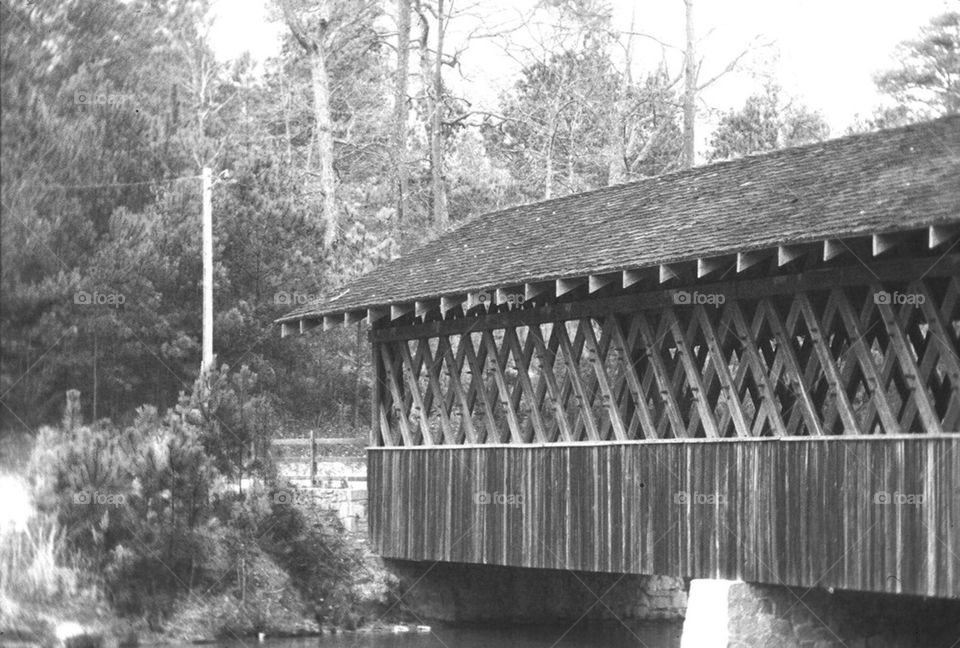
<point>664,634</point>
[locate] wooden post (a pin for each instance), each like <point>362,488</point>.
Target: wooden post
<point>376,373</point>
<point>72,417</point>
<point>313,457</point>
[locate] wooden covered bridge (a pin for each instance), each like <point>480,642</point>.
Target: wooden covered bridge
<point>748,370</point>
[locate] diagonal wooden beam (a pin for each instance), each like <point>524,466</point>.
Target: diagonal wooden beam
<point>477,388</point>
<point>455,370</point>
<point>865,358</point>
<point>521,361</point>
<point>795,377</point>
<point>398,399</point>
<point>432,365</point>
<point>576,383</point>
<point>908,365</point>
<point>760,371</point>
<point>566,383</point>
<point>413,385</point>
<point>597,358</point>
<point>722,369</point>
<point>547,358</point>
<point>942,337</point>
<point>651,346</point>
<point>694,378</point>
<point>828,366</point>
<point>498,360</point>
<point>625,344</point>
<point>631,277</point>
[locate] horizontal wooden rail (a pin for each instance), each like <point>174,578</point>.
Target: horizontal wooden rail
<point>872,513</point>
<point>319,460</point>
<point>320,441</point>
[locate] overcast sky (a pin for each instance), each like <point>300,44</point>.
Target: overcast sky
<point>823,51</point>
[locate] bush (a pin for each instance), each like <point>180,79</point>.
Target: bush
<point>149,511</point>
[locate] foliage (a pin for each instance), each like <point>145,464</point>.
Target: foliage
<point>927,82</point>
<point>571,118</point>
<point>147,510</point>
<point>766,122</point>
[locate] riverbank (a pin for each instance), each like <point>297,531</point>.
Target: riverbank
<point>363,606</point>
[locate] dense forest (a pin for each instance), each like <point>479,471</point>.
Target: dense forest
<point>339,154</point>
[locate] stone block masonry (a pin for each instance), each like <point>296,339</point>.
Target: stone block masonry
<point>743,615</point>
<point>467,593</point>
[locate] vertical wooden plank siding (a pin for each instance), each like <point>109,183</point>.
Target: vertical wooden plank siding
<point>875,513</point>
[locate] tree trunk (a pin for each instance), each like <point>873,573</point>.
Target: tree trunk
<point>313,46</point>
<point>433,92</point>
<point>548,175</point>
<point>96,380</point>
<point>617,151</point>
<point>439,185</point>
<point>321,103</point>
<point>690,91</point>
<point>400,109</point>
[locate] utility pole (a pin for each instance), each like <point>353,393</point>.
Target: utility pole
<point>207,363</point>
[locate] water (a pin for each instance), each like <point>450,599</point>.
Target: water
<point>665,634</point>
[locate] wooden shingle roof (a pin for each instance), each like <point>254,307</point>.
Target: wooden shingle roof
<point>875,183</point>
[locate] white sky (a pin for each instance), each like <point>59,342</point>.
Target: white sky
<point>824,52</point>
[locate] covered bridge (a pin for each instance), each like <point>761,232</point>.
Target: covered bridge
<point>747,370</point>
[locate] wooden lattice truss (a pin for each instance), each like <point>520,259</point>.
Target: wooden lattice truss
<point>843,360</point>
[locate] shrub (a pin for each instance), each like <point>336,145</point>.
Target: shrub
<point>148,510</point>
